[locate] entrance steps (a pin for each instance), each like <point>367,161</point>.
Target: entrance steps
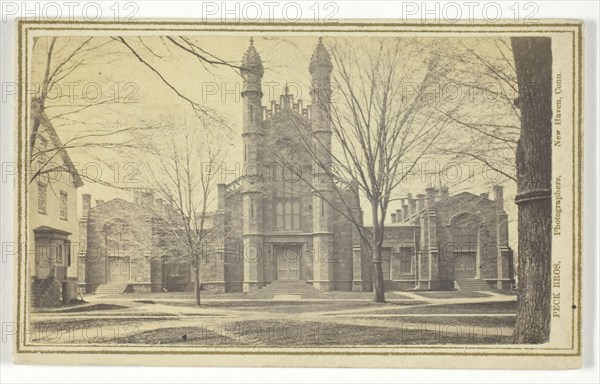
<point>472,285</point>
<point>111,288</point>
<point>287,288</point>
<point>46,292</point>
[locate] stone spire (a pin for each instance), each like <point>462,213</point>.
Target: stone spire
<point>321,60</point>
<point>251,62</point>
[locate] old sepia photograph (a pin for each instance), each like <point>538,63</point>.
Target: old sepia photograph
<point>353,194</point>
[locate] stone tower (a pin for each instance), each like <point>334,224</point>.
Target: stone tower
<point>323,239</point>
<point>252,193</point>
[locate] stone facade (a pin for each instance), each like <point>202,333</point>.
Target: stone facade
<point>277,226</point>
<point>124,245</point>
<point>437,241</point>
<point>273,224</point>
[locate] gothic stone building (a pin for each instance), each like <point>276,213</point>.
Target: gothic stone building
<point>438,242</point>
<point>282,221</point>
<point>274,226</point>
<point>125,248</point>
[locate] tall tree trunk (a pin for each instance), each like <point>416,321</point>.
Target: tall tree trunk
<point>533,64</point>
<point>378,285</point>
<point>197,282</point>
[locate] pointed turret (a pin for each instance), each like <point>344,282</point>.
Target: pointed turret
<point>320,62</point>
<point>320,70</point>
<point>252,63</point>
<point>252,198</point>
<point>252,71</point>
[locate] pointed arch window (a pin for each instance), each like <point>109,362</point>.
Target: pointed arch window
<point>287,201</point>
<point>295,215</point>
<point>279,214</point>
<point>288,215</point>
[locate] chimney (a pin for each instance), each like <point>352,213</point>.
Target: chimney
<point>430,193</point>
<point>499,197</point>
<point>444,192</point>
<point>409,210</point>
<point>160,205</point>
<point>98,202</point>
<point>148,199</point>
<point>86,204</point>
<point>398,215</point>
<point>420,202</point>
<point>394,219</point>
<point>405,212</point>
<point>221,192</point>
<point>300,107</point>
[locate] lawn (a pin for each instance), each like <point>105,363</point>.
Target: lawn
<point>83,331</point>
<point>177,335</point>
<point>469,321</point>
<point>292,307</point>
<point>311,333</point>
<point>331,295</point>
<point>500,307</point>
<point>452,294</point>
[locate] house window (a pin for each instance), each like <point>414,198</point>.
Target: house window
<point>64,205</point>
<point>41,197</point>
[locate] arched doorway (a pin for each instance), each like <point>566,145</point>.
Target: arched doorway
<point>118,241</point>
<point>288,257</point>
<point>465,240</point>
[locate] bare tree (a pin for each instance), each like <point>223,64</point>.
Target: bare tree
<point>488,120</point>
<point>62,59</point>
<point>181,164</point>
<point>55,104</point>
<point>382,124</point>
